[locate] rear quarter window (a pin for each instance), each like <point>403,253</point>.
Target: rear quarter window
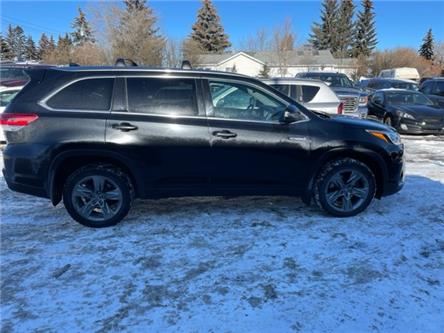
<point>283,88</point>
<point>308,93</point>
<point>87,94</point>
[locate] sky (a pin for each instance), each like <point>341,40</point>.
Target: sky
<point>398,23</point>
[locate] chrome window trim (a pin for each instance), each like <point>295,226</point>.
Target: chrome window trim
<point>43,102</point>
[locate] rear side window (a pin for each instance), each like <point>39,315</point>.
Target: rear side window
<point>88,94</point>
<point>308,93</point>
<point>283,88</point>
<point>162,96</point>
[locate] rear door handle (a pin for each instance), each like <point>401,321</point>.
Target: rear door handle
<point>224,134</point>
<point>124,127</point>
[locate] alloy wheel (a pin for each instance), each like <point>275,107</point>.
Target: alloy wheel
<point>97,198</point>
<point>347,190</point>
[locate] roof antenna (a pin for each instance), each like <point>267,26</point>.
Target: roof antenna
<point>186,64</point>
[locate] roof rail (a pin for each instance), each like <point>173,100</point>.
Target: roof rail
<point>123,62</point>
<point>186,64</point>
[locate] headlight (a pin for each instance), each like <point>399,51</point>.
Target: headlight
<point>387,136</point>
<point>363,100</point>
<point>406,115</point>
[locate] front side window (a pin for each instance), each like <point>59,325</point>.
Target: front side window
<point>378,98</point>
<point>243,102</point>
<point>165,96</point>
<point>88,94</point>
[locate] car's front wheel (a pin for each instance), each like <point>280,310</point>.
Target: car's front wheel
<point>98,195</point>
<point>345,187</point>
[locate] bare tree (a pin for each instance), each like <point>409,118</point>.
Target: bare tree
<point>283,41</point>
<point>260,41</point>
<point>128,33</point>
<point>191,51</point>
<point>173,53</point>
<point>89,54</point>
<point>403,57</point>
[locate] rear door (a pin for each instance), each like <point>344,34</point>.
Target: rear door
<point>252,151</point>
<point>159,125</point>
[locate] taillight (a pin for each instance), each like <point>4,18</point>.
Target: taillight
<point>340,108</point>
<point>15,121</point>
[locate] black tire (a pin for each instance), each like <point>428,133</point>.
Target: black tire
<point>339,168</point>
<point>120,181</point>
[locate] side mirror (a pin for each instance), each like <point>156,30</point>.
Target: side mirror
<point>291,115</point>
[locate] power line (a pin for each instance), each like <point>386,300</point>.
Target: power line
<point>30,25</point>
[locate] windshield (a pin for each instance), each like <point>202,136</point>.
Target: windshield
<point>404,85</point>
<point>406,97</point>
<point>333,80</point>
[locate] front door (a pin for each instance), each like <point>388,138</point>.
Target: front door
<point>252,150</point>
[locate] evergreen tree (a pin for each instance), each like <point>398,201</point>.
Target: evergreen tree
<point>31,52</point>
<point>135,5</point>
<point>82,30</point>
<point>426,50</point>
<point>365,32</point>
<point>345,28</point>
<point>323,35</point>
<point>52,45</point>
<point>44,45</point>
<point>265,72</point>
<point>208,31</point>
<point>5,51</point>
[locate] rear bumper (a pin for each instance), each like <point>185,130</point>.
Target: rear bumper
<point>24,169</point>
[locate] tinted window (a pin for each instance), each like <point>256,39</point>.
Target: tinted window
<point>283,88</point>
<point>378,98</point>
<point>308,93</point>
<point>89,94</point>
<point>427,87</point>
<point>439,88</point>
<point>7,96</point>
<point>332,79</point>
<point>238,101</point>
<point>162,96</point>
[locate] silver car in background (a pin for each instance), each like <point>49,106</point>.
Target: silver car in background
<point>313,94</point>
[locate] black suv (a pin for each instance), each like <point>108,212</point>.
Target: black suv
<point>100,137</point>
<point>434,89</point>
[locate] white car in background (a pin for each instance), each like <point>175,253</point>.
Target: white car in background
<point>313,94</point>
<point>6,95</point>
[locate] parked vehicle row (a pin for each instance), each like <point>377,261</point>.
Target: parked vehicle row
<point>100,137</point>
<point>353,98</point>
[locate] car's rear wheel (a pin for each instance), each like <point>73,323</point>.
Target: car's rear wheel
<point>98,195</point>
<point>345,187</point>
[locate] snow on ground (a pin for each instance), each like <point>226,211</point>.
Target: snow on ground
<point>232,265</point>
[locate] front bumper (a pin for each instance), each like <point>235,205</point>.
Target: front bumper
<point>396,172</point>
<point>360,112</point>
<point>410,126</point>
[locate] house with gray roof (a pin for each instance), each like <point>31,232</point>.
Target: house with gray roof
<point>279,64</point>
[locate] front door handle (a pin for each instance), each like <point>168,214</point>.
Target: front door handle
<point>224,134</point>
<point>124,127</point>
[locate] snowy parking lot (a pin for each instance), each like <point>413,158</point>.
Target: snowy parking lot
<point>256,264</point>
